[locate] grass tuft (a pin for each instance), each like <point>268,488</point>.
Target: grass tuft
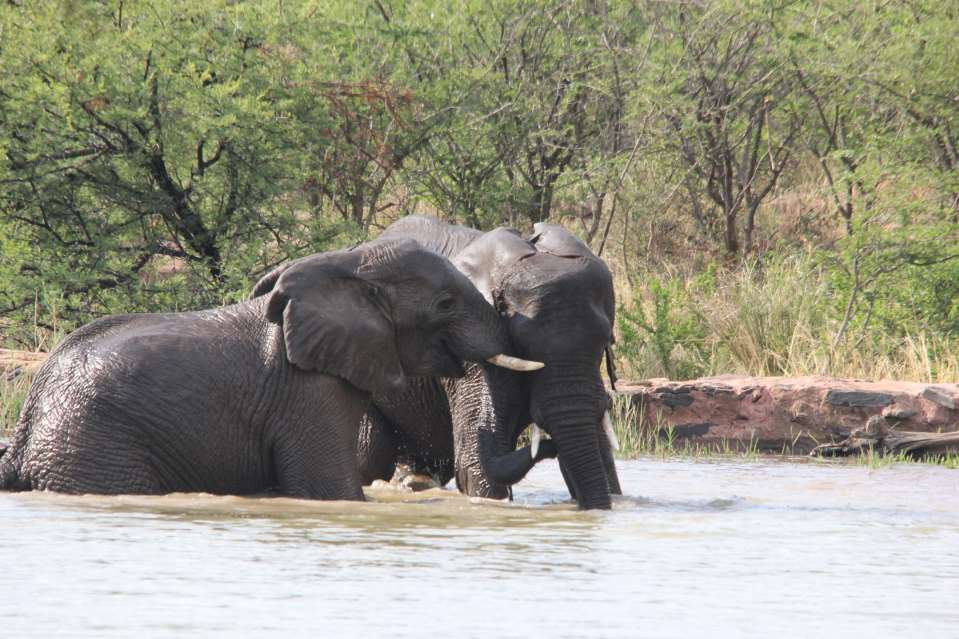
<point>639,437</point>
<point>12,393</point>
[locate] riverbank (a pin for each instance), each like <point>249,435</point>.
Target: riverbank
<point>783,415</point>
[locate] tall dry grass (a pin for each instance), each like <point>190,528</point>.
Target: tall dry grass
<point>776,321</point>
<point>12,393</point>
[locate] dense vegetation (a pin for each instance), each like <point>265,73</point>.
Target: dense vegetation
<point>775,184</point>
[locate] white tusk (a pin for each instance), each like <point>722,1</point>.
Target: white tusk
<point>535,434</point>
<point>514,363</point>
<point>610,433</point>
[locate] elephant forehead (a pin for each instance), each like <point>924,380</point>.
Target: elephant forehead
<point>571,317</point>
<point>548,277</point>
<point>416,287</point>
<point>427,267</point>
<point>552,238</point>
<point>493,253</point>
<point>566,297</point>
<point>405,263</point>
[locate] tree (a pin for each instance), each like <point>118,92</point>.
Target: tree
<point>529,90</point>
<point>874,79</point>
<point>130,134</point>
<point>726,103</point>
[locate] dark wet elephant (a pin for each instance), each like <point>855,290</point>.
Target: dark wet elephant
<point>556,299</point>
<point>266,394</point>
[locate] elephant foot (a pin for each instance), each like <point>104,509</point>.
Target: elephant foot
<point>405,478</point>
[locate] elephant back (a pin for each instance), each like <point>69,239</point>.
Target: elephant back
<point>437,236</point>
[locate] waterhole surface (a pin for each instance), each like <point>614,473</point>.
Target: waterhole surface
<point>715,548</point>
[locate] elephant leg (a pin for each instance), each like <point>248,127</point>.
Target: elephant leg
<point>318,461</point>
<point>606,452</point>
<point>376,448</point>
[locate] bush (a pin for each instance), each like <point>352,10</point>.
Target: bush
<point>781,316</point>
<point>662,334</point>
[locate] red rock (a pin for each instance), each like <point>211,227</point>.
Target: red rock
<point>782,413</point>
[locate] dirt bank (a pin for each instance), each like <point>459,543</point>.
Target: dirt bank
<point>13,362</point>
<point>781,413</point>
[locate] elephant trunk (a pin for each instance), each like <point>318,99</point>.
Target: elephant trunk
<point>581,457</point>
<point>489,411</point>
<point>569,401</point>
<point>484,405</point>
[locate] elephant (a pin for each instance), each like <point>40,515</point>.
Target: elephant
<point>265,395</point>
<point>557,302</point>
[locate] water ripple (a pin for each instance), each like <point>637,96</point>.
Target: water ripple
<point>744,549</point>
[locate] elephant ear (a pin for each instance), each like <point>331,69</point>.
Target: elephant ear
<point>555,240</point>
<point>334,321</point>
<point>490,257</point>
<point>266,283</point>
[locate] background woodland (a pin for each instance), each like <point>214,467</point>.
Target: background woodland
<point>775,185</point>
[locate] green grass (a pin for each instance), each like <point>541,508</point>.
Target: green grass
<point>876,461</point>
<point>639,437</point>
<point>12,394</point>
<point>773,321</point>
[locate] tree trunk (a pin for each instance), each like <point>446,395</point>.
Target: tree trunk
<point>731,240</point>
<point>748,228</point>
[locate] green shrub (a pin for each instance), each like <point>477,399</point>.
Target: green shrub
<point>665,335</point>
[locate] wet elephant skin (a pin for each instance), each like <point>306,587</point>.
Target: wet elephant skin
<point>556,299</point>
<point>263,395</point>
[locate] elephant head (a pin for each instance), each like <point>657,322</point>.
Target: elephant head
<point>381,312</point>
<point>557,299</point>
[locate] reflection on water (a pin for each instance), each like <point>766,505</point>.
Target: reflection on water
<point>694,548</point>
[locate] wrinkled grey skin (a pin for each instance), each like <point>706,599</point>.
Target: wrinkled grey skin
<point>264,395</point>
<point>557,302</point>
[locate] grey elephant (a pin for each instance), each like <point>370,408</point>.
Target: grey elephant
<point>557,302</point>
<point>263,395</point>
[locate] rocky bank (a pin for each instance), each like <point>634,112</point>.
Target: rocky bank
<point>779,414</point>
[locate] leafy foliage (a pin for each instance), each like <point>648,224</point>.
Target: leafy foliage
<point>163,155</point>
<point>675,337</point>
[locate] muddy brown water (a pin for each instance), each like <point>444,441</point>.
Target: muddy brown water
<point>714,548</point>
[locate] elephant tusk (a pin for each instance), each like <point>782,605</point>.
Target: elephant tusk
<point>535,434</point>
<point>515,363</point>
<point>610,433</point>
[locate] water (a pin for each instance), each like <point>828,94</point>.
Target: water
<point>719,549</point>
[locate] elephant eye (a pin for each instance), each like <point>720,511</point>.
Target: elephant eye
<point>446,304</point>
